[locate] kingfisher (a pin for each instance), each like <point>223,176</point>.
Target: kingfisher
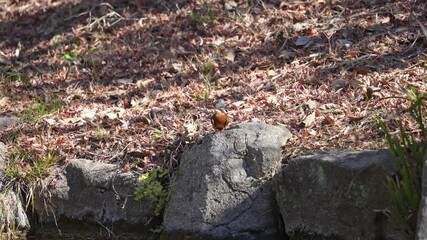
<point>219,119</point>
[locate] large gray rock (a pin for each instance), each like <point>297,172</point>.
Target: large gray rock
<point>222,189</point>
<point>88,192</point>
<point>12,212</point>
<point>336,195</point>
<point>8,121</point>
<point>12,215</point>
<point>421,231</point>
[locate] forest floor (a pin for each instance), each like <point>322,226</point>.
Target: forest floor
<point>133,82</point>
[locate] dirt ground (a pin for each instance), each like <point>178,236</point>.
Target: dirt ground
<point>133,82</point>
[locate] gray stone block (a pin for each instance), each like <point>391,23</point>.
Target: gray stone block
<point>222,188</point>
<point>88,193</point>
<point>336,195</point>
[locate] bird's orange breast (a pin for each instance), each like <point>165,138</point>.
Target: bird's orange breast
<point>219,120</point>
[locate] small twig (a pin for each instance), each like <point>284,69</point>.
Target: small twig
<point>126,196</point>
<point>398,97</point>
<point>171,158</point>
<point>423,28</point>
<point>352,180</point>
<point>106,228</point>
<point>102,21</point>
<point>76,16</point>
<point>364,14</point>
<point>120,152</point>
<point>55,220</point>
<point>413,43</point>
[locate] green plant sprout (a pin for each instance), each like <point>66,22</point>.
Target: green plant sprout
<point>203,15</point>
<point>70,56</point>
<point>42,107</point>
<point>13,74</point>
<point>150,186</point>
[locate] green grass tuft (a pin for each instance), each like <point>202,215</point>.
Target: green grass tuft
<point>42,107</point>
<point>408,157</point>
<point>150,186</point>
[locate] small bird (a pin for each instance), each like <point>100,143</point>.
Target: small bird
<point>219,120</point>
